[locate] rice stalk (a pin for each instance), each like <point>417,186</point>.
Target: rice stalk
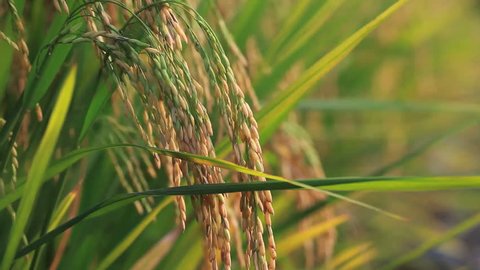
<point>151,70</point>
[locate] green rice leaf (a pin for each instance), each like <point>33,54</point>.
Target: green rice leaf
<point>39,166</point>
<point>387,105</point>
<point>412,183</point>
<point>198,159</point>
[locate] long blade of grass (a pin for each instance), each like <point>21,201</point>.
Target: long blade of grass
<point>299,215</point>
<point>384,105</point>
<point>39,166</point>
<point>335,184</point>
<point>296,240</point>
<point>133,235</point>
<point>77,155</point>
<point>467,225</point>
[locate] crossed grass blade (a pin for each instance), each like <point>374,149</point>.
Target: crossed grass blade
<point>334,184</point>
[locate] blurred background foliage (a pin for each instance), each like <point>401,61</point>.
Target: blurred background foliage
<point>404,102</point>
<point>413,81</point>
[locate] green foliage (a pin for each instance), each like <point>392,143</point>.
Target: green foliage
<point>383,91</point>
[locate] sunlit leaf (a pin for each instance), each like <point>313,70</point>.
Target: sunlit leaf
<point>39,166</point>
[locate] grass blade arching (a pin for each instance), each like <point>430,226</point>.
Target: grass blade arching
<point>333,184</point>
<point>350,104</point>
<point>77,155</point>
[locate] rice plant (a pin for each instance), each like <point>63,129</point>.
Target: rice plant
<point>156,134</point>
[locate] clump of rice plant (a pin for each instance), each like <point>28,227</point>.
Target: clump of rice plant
<point>145,54</point>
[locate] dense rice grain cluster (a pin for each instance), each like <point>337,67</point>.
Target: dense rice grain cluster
<point>155,59</point>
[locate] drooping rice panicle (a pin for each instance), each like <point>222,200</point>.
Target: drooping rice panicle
<point>24,65</point>
<point>151,69</point>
